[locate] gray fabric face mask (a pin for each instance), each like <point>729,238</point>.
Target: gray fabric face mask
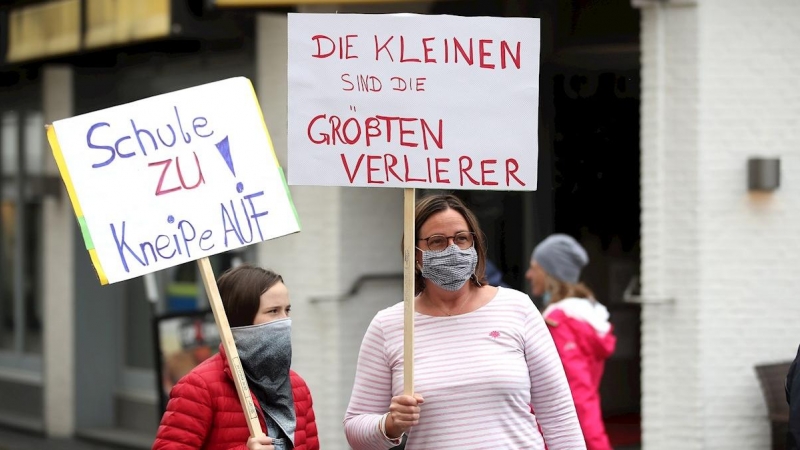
<point>265,351</point>
<point>450,268</point>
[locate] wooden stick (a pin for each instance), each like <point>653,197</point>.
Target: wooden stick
<point>239,379</point>
<point>409,252</point>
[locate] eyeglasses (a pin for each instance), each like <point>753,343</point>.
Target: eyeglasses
<point>439,242</point>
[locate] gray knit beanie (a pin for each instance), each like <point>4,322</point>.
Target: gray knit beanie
<point>561,256</point>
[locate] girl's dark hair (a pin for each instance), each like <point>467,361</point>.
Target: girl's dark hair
<point>240,289</point>
<point>434,204</point>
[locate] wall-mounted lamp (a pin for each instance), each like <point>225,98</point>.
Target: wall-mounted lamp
<point>763,174</point>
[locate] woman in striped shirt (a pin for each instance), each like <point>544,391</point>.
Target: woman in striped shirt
<point>483,357</point>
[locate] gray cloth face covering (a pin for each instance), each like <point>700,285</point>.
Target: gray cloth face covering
<point>450,268</point>
<point>265,351</point>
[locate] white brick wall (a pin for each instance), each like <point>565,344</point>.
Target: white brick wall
<point>669,224</point>
<point>718,87</point>
<point>372,229</point>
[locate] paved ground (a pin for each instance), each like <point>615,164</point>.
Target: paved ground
<point>15,440</point>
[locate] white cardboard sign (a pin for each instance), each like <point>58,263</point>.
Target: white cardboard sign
<point>173,178</point>
<point>413,101</point>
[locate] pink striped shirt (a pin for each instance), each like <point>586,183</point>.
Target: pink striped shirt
<point>479,373</point>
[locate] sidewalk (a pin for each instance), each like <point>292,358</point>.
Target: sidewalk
<point>17,440</point>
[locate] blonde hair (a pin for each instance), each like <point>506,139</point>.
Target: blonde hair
<point>559,290</point>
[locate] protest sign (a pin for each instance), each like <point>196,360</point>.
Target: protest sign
<point>413,101</point>
<point>172,178</point>
<point>175,178</point>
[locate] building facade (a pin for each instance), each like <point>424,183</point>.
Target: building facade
<point>718,260</point>
<point>649,112</point>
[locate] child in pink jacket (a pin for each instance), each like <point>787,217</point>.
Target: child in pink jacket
<point>579,326</point>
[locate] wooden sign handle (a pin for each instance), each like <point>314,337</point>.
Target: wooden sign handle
<point>239,379</point>
<point>409,260</point>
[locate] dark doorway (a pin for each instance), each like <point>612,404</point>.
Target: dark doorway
<point>593,72</point>
<point>596,200</point>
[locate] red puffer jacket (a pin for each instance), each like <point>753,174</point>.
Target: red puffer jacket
<point>204,412</point>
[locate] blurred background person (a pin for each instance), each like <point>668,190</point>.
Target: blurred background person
<point>477,348</point>
<point>494,276</point>
<point>793,398</point>
<point>579,326</point>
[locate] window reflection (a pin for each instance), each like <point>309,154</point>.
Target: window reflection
<point>8,218</point>
<point>20,231</point>
<point>8,148</point>
<point>32,278</point>
<point>34,143</point>
<point>183,292</point>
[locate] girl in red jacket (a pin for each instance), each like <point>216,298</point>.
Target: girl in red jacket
<point>204,411</point>
<point>579,326</point>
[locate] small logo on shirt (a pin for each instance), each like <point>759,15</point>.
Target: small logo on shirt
<point>495,334</point>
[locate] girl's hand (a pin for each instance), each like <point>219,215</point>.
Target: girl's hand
<point>260,443</point>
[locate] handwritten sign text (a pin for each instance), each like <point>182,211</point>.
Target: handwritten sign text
<point>413,101</point>
<point>173,178</point>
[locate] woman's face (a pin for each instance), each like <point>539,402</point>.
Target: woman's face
<point>274,305</point>
<point>536,276</point>
<point>447,223</point>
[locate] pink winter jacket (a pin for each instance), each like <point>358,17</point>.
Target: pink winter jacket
<point>584,339</point>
